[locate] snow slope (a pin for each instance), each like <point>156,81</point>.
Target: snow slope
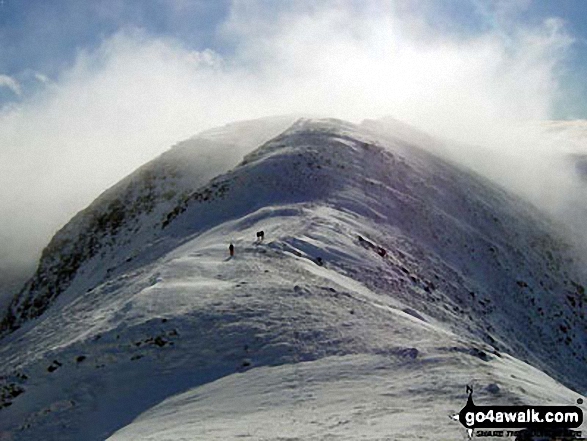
<point>388,280</point>
<point>132,208</point>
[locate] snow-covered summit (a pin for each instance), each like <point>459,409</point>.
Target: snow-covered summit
<point>401,274</point>
<point>130,210</point>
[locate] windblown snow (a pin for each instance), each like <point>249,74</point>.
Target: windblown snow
<point>388,280</point>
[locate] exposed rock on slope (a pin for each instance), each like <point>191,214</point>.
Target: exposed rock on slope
<point>131,209</point>
<point>377,254</point>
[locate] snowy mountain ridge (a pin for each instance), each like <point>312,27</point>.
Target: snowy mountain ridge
<point>380,261</point>
<point>131,209</point>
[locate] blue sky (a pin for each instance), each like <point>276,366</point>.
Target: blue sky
<point>45,35</point>
<point>43,38</point>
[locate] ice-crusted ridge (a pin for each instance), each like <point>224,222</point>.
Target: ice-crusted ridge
<point>125,214</point>
<point>376,254</point>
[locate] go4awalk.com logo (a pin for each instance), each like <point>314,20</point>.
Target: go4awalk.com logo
<point>537,422</point>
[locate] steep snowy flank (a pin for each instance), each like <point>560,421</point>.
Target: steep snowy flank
<point>388,279</point>
<point>131,209</point>
<point>513,284</point>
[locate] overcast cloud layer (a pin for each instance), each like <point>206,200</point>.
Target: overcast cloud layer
<point>135,95</point>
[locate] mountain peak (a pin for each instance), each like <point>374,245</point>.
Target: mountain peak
<point>377,257</point>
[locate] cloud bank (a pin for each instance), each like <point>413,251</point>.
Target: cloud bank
<point>134,95</point>
<point>10,83</point>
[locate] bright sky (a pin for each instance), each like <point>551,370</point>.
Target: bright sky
<point>41,40</point>
<point>90,90</point>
